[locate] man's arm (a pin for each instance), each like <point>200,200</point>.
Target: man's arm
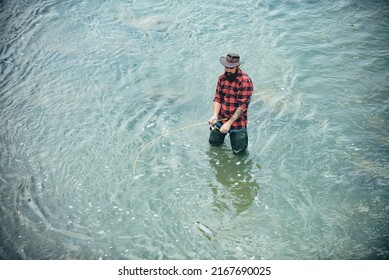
<point>226,127</point>
<point>238,113</point>
<point>216,110</point>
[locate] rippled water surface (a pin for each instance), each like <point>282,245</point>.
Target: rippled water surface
<point>84,85</point>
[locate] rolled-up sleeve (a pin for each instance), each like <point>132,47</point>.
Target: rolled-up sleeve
<point>245,93</point>
<point>219,93</point>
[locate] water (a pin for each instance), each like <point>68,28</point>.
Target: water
<point>86,84</point>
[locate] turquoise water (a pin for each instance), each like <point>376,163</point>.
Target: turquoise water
<point>84,85</point>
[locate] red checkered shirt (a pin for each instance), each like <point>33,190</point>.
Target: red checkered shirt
<point>232,95</point>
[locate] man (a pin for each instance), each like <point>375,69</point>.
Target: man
<point>232,98</point>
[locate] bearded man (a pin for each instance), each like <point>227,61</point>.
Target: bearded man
<point>232,98</point>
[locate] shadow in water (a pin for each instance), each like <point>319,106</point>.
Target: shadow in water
<point>234,188</point>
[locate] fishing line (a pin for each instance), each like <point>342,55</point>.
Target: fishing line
<point>159,137</point>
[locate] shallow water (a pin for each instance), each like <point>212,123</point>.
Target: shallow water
<point>85,85</point>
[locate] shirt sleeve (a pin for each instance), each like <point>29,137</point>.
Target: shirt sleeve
<point>219,93</point>
<point>245,93</point>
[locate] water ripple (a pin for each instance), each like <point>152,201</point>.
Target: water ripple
<point>85,85</point>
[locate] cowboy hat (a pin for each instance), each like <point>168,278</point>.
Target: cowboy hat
<point>231,60</point>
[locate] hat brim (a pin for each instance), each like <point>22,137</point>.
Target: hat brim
<point>224,62</point>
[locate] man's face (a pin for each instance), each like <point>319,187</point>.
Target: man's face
<point>230,70</point>
<point>231,73</point>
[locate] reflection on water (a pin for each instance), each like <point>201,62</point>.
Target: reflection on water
<point>232,220</point>
<point>235,187</point>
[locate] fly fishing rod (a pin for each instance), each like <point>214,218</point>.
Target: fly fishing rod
<point>161,136</point>
<point>157,138</point>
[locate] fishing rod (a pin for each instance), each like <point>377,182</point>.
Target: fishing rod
<point>164,134</point>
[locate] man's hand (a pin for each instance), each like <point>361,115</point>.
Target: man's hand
<point>212,120</point>
<point>225,127</point>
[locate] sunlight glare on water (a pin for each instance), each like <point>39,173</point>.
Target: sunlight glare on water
<point>84,85</point>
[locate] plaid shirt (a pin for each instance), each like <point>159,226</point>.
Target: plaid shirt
<point>232,95</point>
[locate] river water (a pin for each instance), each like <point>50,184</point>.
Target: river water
<point>86,85</point>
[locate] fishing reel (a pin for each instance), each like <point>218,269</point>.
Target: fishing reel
<point>213,127</point>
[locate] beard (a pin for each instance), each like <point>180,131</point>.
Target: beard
<point>231,76</point>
